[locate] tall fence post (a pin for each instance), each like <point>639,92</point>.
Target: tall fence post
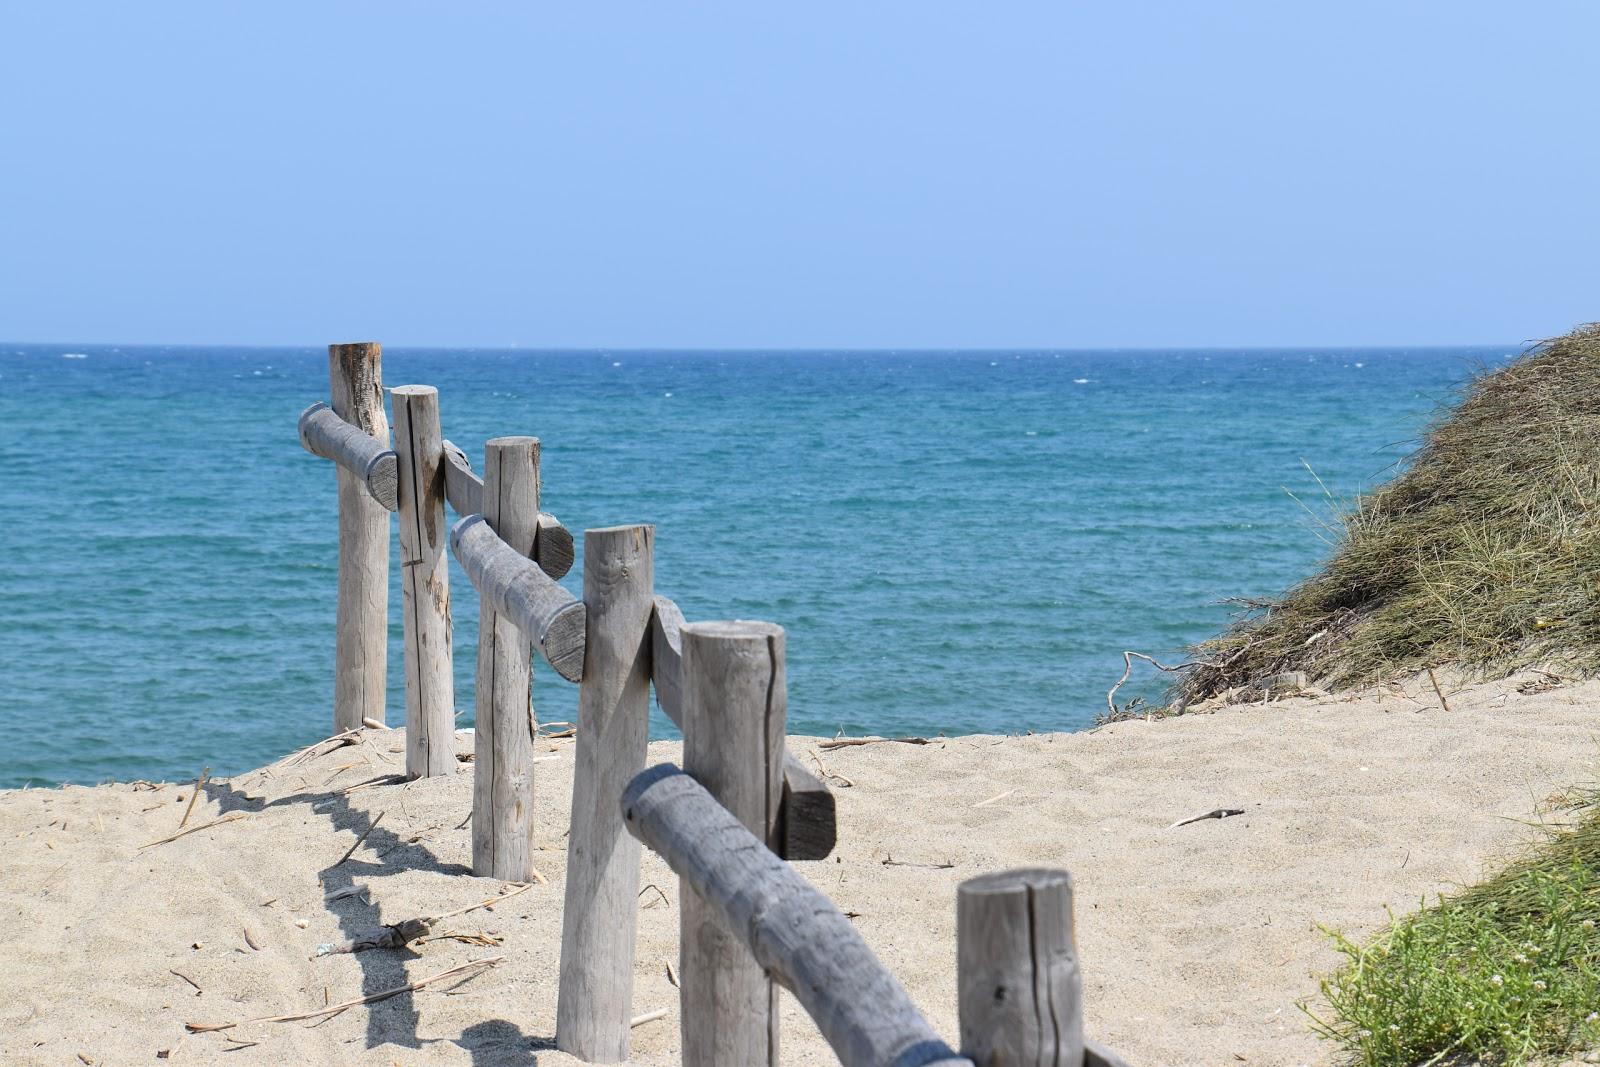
<point>502,767</point>
<point>1021,994</point>
<point>734,708</point>
<point>424,583</point>
<point>361,637</point>
<point>594,1001</point>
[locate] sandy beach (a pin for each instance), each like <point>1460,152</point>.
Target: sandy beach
<point>1199,942</point>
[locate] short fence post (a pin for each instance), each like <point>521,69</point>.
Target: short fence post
<point>424,583</point>
<point>502,767</point>
<point>594,1001</point>
<point>361,636</point>
<point>1021,995</point>
<point>734,708</point>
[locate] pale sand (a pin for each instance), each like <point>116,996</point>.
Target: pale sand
<point>1197,942</point>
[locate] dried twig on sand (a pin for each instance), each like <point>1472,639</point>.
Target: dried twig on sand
<point>199,784</point>
<point>334,1009</point>
<point>996,797</point>
<point>648,1017</point>
<point>890,861</point>
<point>829,774</point>
<point>1443,703</point>
<point>191,981</point>
<point>230,817</point>
<point>362,838</point>
<point>490,902</point>
<point>851,742</point>
<point>1215,813</point>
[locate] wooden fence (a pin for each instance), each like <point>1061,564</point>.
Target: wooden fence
<point>729,822</point>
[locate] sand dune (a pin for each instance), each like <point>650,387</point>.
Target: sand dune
<point>1198,942</point>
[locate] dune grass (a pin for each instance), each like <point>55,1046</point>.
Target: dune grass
<point>1506,972</point>
<point>1484,553</point>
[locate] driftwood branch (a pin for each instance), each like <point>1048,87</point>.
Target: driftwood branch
<point>1127,669</point>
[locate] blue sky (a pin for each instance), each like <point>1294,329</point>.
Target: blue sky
<point>865,175</point>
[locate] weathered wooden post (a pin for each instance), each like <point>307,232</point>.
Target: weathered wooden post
<point>1021,995</point>
<point>502,768</point>
<point>735,705</point>
<point>601,910</point>
<point>424,583</point>
<point>361,637</point>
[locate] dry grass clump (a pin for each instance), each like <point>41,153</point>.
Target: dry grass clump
<point>1484,553</point>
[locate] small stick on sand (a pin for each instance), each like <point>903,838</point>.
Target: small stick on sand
<point>334,1009</point>
<point>997,796</point>
<point>362,838</point>
<point>1216,813</point>
<point>1443,703</point>
<point>851,742</point>
<point>191,981</point>
<point>826,773</point>
<point>230,817</point>
<point>488,903</point>
<point>199,785</point>
<point>672,976</point>
<point>373,724</point>
<point>890,861</point>
<point>648,1017</point>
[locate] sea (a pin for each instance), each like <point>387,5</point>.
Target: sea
<point>955,542</point>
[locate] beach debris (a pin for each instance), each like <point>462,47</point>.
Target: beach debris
<point>1443,703</point>
<point>851,742</point>
<point>653,900</point>
<point>1544,683</point>
<point>672,976</point>
<point>382,779</point>
<point>397,935</point>
<point>996,797</point>
<point>347,891</point>
<point>491,902</point>
<point>473,966</point>
<point>191,981</point>
<point>349,737</point>
<point>1127,669</point>
<point>1215,813</point>
<point>373,724</point>
<point>250,939</point>
<point>362,838</point>
<point>890,861</point>
<point>199,784</point>
<point>831,776</point>
<point>232,816</point>
<point>648,1017</point>
<point>481,940</point>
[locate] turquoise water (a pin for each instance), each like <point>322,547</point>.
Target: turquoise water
<point>955,542</point>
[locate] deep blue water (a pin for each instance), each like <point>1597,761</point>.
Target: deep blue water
<point>954,541</point>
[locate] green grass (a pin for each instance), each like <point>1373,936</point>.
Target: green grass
<point>1506,972</point>
<point>1484,553</point>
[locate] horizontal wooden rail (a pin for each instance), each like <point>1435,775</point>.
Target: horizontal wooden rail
<point>325,434</point>
<point>807,818</point>
<point>515,586</point>
<point>553,547</point>
<point>795,933</point>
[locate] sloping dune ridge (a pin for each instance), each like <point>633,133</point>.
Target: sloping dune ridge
<point>1199,942</point>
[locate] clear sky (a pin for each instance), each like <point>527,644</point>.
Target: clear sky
<point>864,174</point>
